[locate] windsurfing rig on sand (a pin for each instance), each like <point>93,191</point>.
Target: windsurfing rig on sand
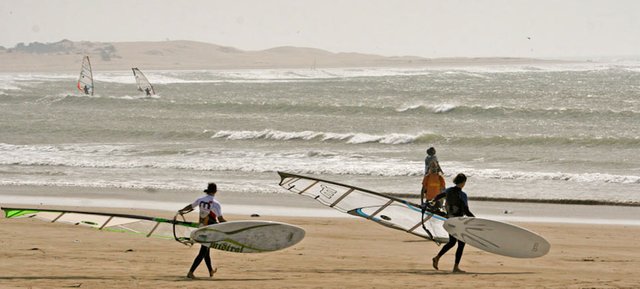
<point>177,228</point>
<point>385,210</point>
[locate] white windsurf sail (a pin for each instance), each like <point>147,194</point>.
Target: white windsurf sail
<point>143,83</point>
<point>382,209</point>
<point>178,230</point>
<point>85,81</point>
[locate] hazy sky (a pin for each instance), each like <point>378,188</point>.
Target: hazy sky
<point>440,28</point>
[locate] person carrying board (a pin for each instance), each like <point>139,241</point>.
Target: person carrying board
<point>210,213</point>
<point>457,206</point>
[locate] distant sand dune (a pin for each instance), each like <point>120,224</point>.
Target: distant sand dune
<point>186,55</point>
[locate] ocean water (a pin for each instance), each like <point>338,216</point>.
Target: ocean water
<point>560,132</point>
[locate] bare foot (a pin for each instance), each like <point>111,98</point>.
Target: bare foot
<point>191,276</point>
<point>435,262</point>
<point>211,272</point>
<point>458,270</point>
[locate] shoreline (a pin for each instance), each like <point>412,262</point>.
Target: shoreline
<point>123,192</point>
<point>291,205</point>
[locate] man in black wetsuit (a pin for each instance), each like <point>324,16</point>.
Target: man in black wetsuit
<point>457,206</point>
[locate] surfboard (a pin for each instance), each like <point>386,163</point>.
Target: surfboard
<point>497,237</point>
<point>248,236</point>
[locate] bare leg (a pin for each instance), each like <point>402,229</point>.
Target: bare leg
<point>449,245</point>
<point>435,262</point>
<point>207,260</point>
<point>459,252</point>
<point>457,269</point>
<point>204,252</point>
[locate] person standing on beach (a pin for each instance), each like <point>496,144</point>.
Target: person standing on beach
<point>210,213</point>
<point>432,184</point>
<point>457,206</point>
<point>431,159</point>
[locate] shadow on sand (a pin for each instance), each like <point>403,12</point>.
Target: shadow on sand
<point>57,278</point>
<point>157,278</point>
<point>394,271</point>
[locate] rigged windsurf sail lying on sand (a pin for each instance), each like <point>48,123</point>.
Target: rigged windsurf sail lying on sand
<point>382,209</point>
<point>85,81</point>
<point>178,230</point>
<point>142,82</point>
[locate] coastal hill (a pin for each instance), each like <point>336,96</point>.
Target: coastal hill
<point>67,55</point>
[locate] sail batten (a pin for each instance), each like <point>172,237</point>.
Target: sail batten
<point>113,222</point>
<point>385,210</point>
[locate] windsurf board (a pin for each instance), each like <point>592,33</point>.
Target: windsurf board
<point>248,236</point>
<point>497,237</point>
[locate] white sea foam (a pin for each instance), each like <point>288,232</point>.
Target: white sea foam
<point>135,157</point>
<point>8,82</point>
<point>135,97</point>
<point>435,108</point>
<point>350,138</point>
<point>555,176</point>
<point>442,108</point>
<point>288,75</point>
<point>145,184</point>
<point>266,134</point>
<point>63,96</point>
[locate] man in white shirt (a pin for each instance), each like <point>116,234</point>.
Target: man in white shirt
<point>210,213</point>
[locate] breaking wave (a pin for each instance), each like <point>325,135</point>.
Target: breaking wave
<point>52,161</point>
<point>421,138</point>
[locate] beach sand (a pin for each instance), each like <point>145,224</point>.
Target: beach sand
<point>336,253</point>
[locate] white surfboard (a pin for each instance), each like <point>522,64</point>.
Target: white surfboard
<point>248,236</point>
<point>497,237</point>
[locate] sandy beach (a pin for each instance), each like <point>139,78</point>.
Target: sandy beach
<point>336,253</point>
